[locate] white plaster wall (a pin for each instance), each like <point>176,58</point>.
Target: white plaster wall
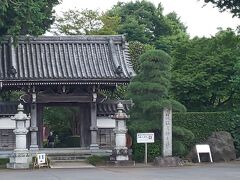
<point>7,123</point>
<point>105,122</point>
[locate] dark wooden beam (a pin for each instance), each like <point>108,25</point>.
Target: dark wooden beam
<point>63,99</point>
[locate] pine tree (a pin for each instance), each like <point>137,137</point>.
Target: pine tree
<point>149,89</point>
<point>149,92</point>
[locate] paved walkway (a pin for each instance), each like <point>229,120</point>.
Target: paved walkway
<point>216,171</point>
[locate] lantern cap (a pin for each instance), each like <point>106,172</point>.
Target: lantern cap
<point>20,107</point>
<point>120,106</point>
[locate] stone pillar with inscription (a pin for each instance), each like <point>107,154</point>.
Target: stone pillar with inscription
<point>167,132</point>
<point>20,156</point>
<point>167,159</point>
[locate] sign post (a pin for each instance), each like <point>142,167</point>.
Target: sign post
<point>146,153</point>
<point>145,138</point>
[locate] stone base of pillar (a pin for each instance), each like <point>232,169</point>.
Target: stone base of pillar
<point>34,147</point>
<point>121,154</point>
<point>94,146</point>
<point>122,158</point>
<point>167,161</point>
<point>129,163</point>
<point>20,159</point>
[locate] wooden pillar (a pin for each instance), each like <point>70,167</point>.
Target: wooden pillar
<point>33,128</point>
<point>40,124</point>
<point>84,115</point>
<point>93,127</point>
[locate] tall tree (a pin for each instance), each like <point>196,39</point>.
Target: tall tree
<point>85,22</point>
<point>136,49</point>
<point>77,22</point>
<point>141,20</point>
<point>178,34</point>
<point>21,17</point>
<point>110,25</point>
<point>232,5</point>
<point>203,69</point>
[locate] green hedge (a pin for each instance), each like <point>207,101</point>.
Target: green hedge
<point>186,126</point>
<point>182,140</point>
<point>202,124</point>
<point>154,150</point>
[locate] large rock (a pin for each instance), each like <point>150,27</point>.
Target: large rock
<point>222,148</point>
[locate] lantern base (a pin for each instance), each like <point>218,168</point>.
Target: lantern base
<point>20,159</point>
<point>120,154</point>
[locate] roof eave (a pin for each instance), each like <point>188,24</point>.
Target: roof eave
<point>64,82</point>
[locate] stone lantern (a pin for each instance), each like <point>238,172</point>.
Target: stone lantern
<point>120,151</point>
<point>20,156</point>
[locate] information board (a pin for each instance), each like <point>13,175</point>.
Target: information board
<point>145,137</point>
<point>40,161</point>
<point>41,158</point>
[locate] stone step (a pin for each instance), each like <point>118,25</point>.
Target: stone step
<point>66,160</point>
<point>67,157</point>
<point>69,161</point>
<point>74,152</point>
<point>71,165</point>
<point>70,154</point>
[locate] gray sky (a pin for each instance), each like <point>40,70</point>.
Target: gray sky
<point>201,21</point>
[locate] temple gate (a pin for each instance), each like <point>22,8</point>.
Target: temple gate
<point>64,70</point>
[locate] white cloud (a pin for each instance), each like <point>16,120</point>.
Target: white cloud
<point>201,21</point>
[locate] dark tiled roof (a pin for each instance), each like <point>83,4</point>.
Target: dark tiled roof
<point>72,59</point>
<point>109,107</point>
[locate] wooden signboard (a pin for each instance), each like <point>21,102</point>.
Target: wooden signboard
<point>41,160</point>
<point>203,148</point>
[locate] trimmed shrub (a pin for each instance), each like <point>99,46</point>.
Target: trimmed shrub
<point>202,124</point>
<point>3,162</point>
<point>97,160</point>
<point>154,150</point>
